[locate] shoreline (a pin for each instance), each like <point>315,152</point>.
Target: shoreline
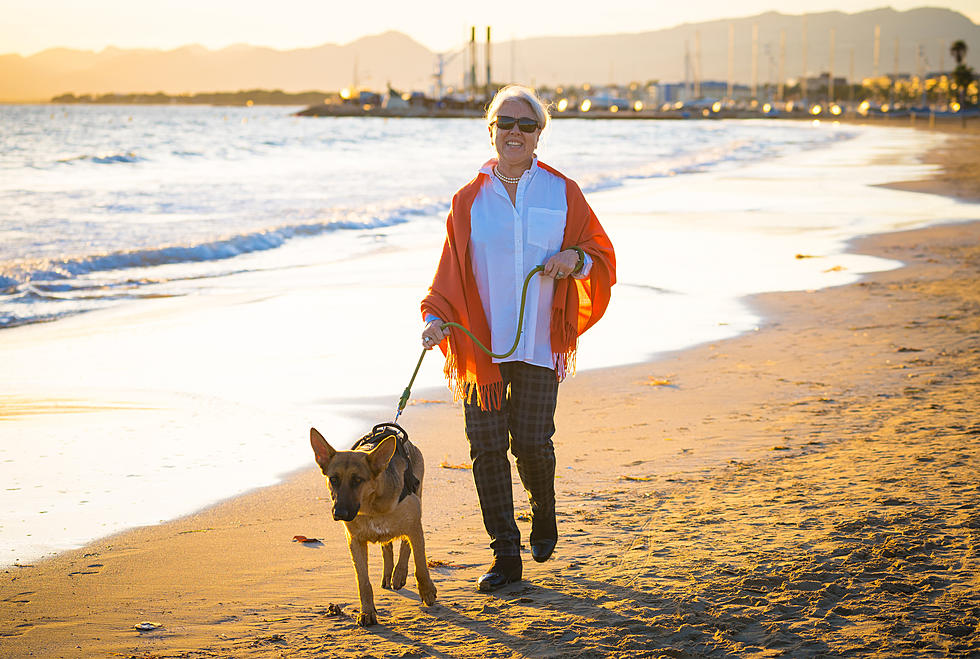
<point>958,176</point>
<point>887,340</point>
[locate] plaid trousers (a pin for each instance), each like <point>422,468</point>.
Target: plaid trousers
<point>525,423</point>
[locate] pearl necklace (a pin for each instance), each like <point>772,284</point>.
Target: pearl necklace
<point>506,179</point>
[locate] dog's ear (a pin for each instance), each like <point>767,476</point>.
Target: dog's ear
<point>380,455</point>
<point>324,452</point>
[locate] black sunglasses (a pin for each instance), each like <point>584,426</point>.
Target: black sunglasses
<point>526,124</point>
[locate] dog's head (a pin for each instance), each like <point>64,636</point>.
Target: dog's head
<point>351,475</point>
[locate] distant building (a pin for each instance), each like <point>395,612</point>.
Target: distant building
<point>673,92</point>
<point>819,86</point>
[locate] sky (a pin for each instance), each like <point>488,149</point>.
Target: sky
<point>30,26</point>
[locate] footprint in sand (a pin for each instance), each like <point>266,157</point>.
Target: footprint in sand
<point>89,569</point>
<point>19,598</point>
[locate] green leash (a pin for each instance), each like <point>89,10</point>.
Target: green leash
<point>403,401</point>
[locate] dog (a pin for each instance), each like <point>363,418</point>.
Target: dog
<point>376,489</point>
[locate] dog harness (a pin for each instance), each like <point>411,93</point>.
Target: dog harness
<point>378,434</point>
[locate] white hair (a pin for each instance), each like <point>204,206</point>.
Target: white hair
<point>522,93</point>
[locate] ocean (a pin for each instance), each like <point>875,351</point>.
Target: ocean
<point>185,290</point>
<point>95,201</point>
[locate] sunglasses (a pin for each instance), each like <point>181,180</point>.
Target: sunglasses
<point>526,124</point>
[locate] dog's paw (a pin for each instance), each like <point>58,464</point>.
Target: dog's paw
<point>399,577</point>
<point>367,618</point>
<point>386,581</point>
<point>428,593</point>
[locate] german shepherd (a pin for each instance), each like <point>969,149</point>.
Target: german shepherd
<point>376,492</point>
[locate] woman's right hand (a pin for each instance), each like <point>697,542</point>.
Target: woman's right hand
<point>433,334</point>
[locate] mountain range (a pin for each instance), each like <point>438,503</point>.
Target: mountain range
<point>922,37</point>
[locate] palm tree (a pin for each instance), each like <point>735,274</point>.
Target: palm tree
<point>962,75</point>
<point>958,50</point>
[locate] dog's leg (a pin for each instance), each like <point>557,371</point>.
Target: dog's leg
<point>388,561</point>
<point>427,589</point>
<point>358,554</point>
<point>401,570</point>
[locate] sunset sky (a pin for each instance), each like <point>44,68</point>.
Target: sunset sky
<point>29,26</point>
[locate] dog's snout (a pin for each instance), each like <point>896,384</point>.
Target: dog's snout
<point>344,514</point>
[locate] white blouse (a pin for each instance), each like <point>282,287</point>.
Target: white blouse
<point>507,240</point>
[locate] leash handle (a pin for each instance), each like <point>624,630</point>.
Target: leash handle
<point>403,401</point>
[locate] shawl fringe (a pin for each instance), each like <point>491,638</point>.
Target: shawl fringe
<point>565,336</point>
<point>488,395</point>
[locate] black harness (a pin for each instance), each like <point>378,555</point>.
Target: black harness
<point>377,435</point>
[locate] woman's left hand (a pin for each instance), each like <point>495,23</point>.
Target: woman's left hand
<point>561,264</point>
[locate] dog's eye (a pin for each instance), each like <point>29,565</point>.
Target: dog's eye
<point>335,481</point>
<point>356,480</point>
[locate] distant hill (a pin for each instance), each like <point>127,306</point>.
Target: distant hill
<point>377,59</point>
<point>660,55</point>
<point>621,58</point>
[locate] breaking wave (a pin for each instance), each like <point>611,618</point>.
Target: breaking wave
<point>105,159</point>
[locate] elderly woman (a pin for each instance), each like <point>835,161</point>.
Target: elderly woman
<point>516,214</point>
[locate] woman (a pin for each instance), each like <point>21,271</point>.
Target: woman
<point>516,214</point>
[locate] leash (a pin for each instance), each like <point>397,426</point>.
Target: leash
<point>403,401</point>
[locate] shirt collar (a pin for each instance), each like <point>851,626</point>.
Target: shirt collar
<point>488,166</point>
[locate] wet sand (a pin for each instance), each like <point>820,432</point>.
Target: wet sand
<point>958,174</point>
<point>809,489</point>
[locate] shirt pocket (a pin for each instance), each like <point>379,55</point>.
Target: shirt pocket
<point>545,228</point>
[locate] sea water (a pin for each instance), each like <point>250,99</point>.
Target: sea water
<point>184,290</point>
<point>95,199</point>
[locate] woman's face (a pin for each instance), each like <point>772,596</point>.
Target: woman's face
<point>514,147</point>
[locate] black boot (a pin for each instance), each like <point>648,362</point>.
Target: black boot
<point>542,549</point>
<point>505,570</point>
<point>544,525</point>
<point>544,534</point>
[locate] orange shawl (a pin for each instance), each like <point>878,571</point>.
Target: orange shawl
<point>453,295</point>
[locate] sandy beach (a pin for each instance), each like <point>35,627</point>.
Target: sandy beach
<point>807,489</point>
